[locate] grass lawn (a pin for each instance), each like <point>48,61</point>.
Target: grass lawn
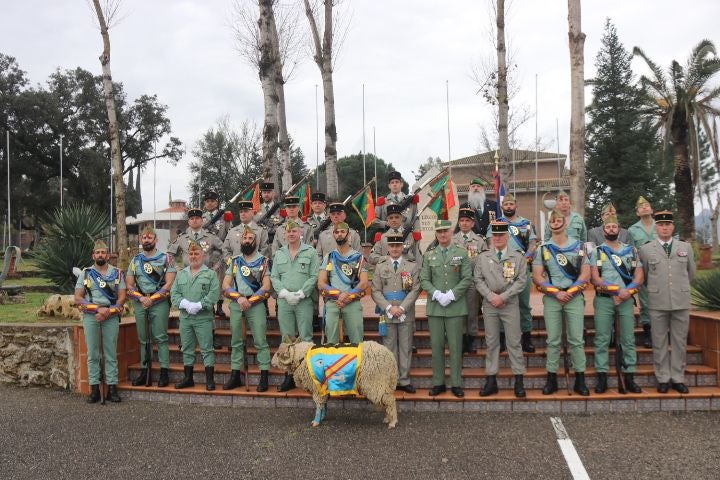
<point>29,282</point>
<point>27,312</point>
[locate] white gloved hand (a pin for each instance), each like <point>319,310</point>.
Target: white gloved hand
<point>184,304</point>
<point>450,295</point>
<point>444,300</point>
<point>299,294</point>
<point>284,293</point>
<point>194,307</point>
<point>436,295</point>
<point>292,299</point>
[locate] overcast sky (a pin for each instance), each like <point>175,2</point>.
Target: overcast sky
<point>403,51</point>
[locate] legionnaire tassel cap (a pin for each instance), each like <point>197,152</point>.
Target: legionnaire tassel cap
<point>394,239</point>
<point>341,226</point>
<point>194,212</point>
<point>612,218</point>
<point>509,198</point>
<point>608,208</point>
<point>498,227</point>
<point>394,176</point>
<point>211,195</point>
<point>292,201</point>
<point>100,245</point>
<point>562,194</point>
<point>249,231</point>
<point>394,209</point>
<point>555,215</point>
<point>641,201</point>
<point>442,225</point>
<point>194,246</point>
<point>318,197</point>
<point>245,205</point>
<point>289,225</point>
<point>148,230</point>
<point>479,181</point>
<point>336,207</point>
<point>267,186</point>
<point>663,216</point>
<point>467,213</point>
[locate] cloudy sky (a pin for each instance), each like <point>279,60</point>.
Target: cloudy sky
<point>403,51</point>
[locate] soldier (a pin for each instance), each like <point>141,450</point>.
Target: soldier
<point>474,243</point>
<point>395,287</point>
<point>318,204</point>
<point>342,282</point>
<point>395,197</point>
<point>500,276</point>
<point>522,238</point>
<point>395,228</point>
<point>294,277</point>
<point>268,214</point>
<point>564,262</point>
<point>195,290</point>
<point>100,296</point>
<point>247,285</point>
<point>233,241</point>
<point>446,275</point>
<point>222,220</point>
<point>149,279</point>
<point>575,225</point>
<point>616,273</point>
<point>669,268</point>
<point>641,233</point>
<point>212,249</point>
<point>326,240</point>
<point>596,235</point>
<point>292,207</point>
<point>485,210</point>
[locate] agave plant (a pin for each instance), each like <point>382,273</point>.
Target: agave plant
<point>706,291</point>
<point>68,243</point>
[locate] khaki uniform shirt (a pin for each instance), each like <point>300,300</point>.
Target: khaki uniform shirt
<point>219,228</point>
<point>381,211</point>
<point>280,235</point>
<point>474,244</point>
<point>668,278</point>
<point>406,278</point>
<point>294,274</point>
<point>411,249</point>
<point>210,243</point>
<point>233,241</point>
<point>506,277</point>
<point>326,241</point>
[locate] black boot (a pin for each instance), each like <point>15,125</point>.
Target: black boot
<point>580,386</point>
<point>503,347</point>
<point>646,337</point>
<point>519,387</point>
<point>471,344</point>
<point>94,394</point>
<point>287,384</point>
<point>527,344</point>
<point>187,380</point>
<point>263,384</point>
<point>141,379</point>
<point>601,386</point>
<point>490,386</point>
<point>164,380</point>
<point>209,379</point>
<point>113,394</point>
<point>216,341</point>
<point>219,311</point>
<point>551,385</point>
<point>234,381</point>
<point>630,384</point>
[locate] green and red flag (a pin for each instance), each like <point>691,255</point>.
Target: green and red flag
<point>438,204</point>
<point>444,182</point>
<point>304,191</point>
<point>252,194</point>
<point>364,205</point>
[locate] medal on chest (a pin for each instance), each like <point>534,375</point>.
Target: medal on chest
<point>508,270</point>
<point>616,260</point>
<point>346,269</point>
<point>514,230</point>
<point>561,259</point>
<point>101,283</point>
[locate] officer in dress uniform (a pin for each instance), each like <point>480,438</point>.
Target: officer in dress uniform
<point>395,197</point>
<point>247,286</point>
<point>446,275</point>
<point>500,277</point>
<point>642,232</point>
<point>617,274</point>
<point>326,240</point>
<point>669,268</point>
<point>596,235</point>
<point>100,296</point>
<point>395,219</point>
<point>575,224</point>
<point>195,291</point>
<point>222,220</point>
<point>563,260</point>
<point>474,243</point>
<point>267,194</point>
<point>292,207</point>
<point>149,278</point>
<point>395,287</point>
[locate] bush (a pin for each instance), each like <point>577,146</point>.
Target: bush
<point>68,242</point>
<point>706,291</point>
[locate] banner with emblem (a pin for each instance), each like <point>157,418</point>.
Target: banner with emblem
<point>364,204</point>
<point>334,369</point>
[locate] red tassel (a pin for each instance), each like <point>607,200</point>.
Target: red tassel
<point>416,199</point>
<point>378,236</point>
<point>417,235</point>
<point>228,216</point>
<point>380,201</point>
<point>283,213</point>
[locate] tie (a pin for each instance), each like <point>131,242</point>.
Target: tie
<point>465,237</point>
<point>667,247</point>
<point>395,265</point>
<point>196,235</point>
<point>499,254</point>
<point>317,219</point>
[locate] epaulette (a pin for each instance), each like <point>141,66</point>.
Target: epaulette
<point>383,260</point>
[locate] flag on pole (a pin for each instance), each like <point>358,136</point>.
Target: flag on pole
<point>252,194</point>
<point>304,191</point>
<point>499,188</point>
<point>438,204</point>
<point>364,205</point>
<point>444,182</point>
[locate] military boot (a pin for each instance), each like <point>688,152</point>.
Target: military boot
<point>234,381</point>
<point>187,380</point>
<point>219,311</point>
<point>526,343</point>
<point>519,387</point>
<point>113,395</point>
<point>209,379</point>
<point>580,386</point>
<point>164,378</point>
<point>503,347</point>
<point>551,385</point>
<point>490,386</point>
<point>94,394</point>
<point>601,386</point>
<point>630,384</point>
<point>141,379</point>
<point>287,384</point>
<point>646,337</point>
<point>263,384</point>
<point>216,341</point>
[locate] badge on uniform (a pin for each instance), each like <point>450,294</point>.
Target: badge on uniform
<point>616,260</point>
<point>407,280</point>
<point>245,271</point>
<point>682,253</point>
<point>472,250</point>
<point>148,268</point>
<point>561,259</point>
<point>514,230</point>
<point>101,283</point>
<point>346,269</point>
<point>508,270</point>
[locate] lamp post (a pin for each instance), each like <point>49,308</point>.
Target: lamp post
<point>61,170</point>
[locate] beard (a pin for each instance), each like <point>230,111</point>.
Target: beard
<point>476,199</point>
<point>341,241</point>
<point>611,237</point>
<point>247,248</point>
<point>148,247</point>
<point>509,213</point>
<point>100,262</point>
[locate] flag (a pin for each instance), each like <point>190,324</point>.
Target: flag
<point>252,194</point>
<point>364,205</point>
<point>438,204</point>
<point>440,181</point>
<point>444,182</point>
<point>304,191</point>
<point>450,194</point>
<point>499,188</point>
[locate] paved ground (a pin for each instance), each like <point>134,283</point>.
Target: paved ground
<point>51,435</point>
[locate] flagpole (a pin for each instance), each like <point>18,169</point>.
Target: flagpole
<point>447,107</point>
<point>375,155</point>
<point>155,186</point>
<point>7,151</point>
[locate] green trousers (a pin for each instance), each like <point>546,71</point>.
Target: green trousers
<point>352,316</point>
<point>256,318</point>
<point>448,329</point>
<point>109,329</point>
<point>296,320</point>
<point>159,314</point>
<point>605,310</point>
<point>194,330</point>
<point>644,310</point>
<point>574,313</point>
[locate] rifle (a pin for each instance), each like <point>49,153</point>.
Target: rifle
<point>326,223</point>
<point>264,221</point>
<point>102,366</point>
<point>148,348</point>
<point>619,363</point>
<point>566,360</point>
<point>221,211</point>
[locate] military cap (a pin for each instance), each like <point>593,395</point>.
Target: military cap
<point>608,208</point>
<point>336,207</point>
<point>442,224</point>
<point>394,209</point>
<point>612,218</point>
<point>290,224</point>
<point>292,200</point>
<point>479,181</point>
<point>211,195</point>
<point>394,176</point>
<point>245,205</point>
<point>194,212</point>
<point>663,216</point>
<point>148,230</point>
<point>509,198</point>
<point>394,239</point>
<point>318,197</point>
<point>641,201</point>
<point>467,213</point>
<point>100,245</point>
<point>341,226</point>
<point>267,186</point>
<point>498,227</point>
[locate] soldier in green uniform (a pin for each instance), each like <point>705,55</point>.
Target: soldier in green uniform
<point>215,221</point>
<point>411,247</point>
<point>149,278</point>
<point>342,282</point>
<point>669,268</point>
<point>641,233</point>
<point>563,260</point>
<point>523,239</point>
<point>195,291</point>
<point>247,285</point>
<point>575,224</point>
<point>294,277</point>
<point>326,240</point>
<point>617,274</point>
<point>474,243</point>
<point>446,275</point>
<point>500,276</point>
<point>395,197</point>
<point>395,287</point>
<point>100,296</point>
<point>292,207</point>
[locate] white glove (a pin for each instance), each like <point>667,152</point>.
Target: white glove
<point>184,304</point>
<point>284,293</point>
<point>194,307</point>
<point>436,295</point>
<point>450,295</point>
<point>292,299</point>
<point>444,300</point>
<point>299,294</point>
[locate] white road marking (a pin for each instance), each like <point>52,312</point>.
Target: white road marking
<point>577,470</point>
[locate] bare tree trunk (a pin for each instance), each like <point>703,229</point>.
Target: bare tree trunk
<point>284,140</point>
<point>266,70</point>
<point>117,165</point>
<point>714,220</point>
<point>502,95</point>
<point>577,107</point>
<point>684,188</point>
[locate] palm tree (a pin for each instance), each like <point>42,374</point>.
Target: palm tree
<point>682,103</point>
